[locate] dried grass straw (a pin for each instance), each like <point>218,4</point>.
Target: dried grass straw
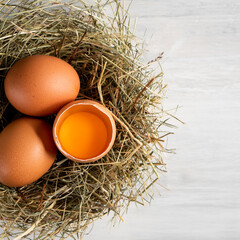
<point>102,48</point>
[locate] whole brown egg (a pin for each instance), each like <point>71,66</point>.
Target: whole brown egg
<point>27,151</point>
<point>40,85</point>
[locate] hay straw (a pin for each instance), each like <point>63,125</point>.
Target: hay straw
<point>102,48</point>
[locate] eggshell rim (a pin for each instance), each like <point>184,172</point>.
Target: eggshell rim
<point>99,107</point>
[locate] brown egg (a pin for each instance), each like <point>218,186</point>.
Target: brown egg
<point>27,151</point>
<point>40,85</point>
<point>84,131</point>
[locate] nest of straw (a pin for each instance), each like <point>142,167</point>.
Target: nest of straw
<point>99,43</point>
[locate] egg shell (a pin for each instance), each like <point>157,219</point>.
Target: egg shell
<point>40,85</point>
<point>27,151</point>
<point>91,106</point>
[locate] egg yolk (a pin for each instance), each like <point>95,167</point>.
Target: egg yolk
<point>83,135</point>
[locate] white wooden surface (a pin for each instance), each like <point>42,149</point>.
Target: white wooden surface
<point>200,39</point>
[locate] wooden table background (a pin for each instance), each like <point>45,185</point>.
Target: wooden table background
<point>201,41</point>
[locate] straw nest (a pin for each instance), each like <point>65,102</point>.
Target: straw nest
<point>98,42</point>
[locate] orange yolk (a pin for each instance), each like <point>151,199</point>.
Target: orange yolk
<point>83,135</point>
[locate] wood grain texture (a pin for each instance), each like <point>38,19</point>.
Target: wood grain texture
<point>202,56</point>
